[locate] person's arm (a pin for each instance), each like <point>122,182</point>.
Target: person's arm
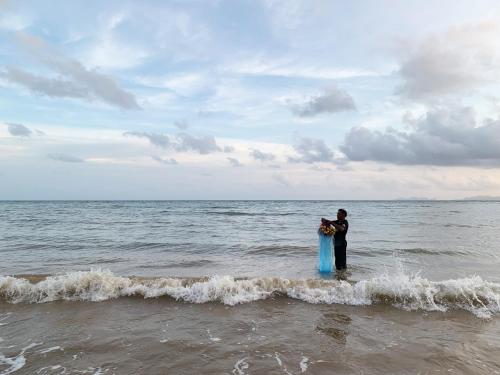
<point>339,227</point>
<point>326,221</point>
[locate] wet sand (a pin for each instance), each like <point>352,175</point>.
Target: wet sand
<point>273,336</point>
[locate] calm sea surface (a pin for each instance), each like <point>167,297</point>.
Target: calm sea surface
<point>132,287</point>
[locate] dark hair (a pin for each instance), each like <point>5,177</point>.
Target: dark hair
<point>343,211</point>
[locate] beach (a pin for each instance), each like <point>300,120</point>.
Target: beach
<point>231,287</point>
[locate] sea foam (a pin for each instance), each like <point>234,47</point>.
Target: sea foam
<point>410,292</point>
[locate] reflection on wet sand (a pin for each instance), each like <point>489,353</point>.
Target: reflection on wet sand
<point>335,325</point>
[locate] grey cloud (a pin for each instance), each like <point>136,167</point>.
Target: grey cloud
<point>262,156</point>
<point>77,81</point>
<point>65,158</point>
<point>203,144</point>
<point>235,162</point>
<point>170,161</point>
<point>344,167</point>
<point>311,151</point>
<point>228,149</point>
<point>53,87</point>
<point>321,169</point>
<point>18,130</point>
<point>159,140</point>
<point>331,101</point>
<point>181,142</point>
<point>454,62</point>
<point>444,136</point>
<point>432,71</point>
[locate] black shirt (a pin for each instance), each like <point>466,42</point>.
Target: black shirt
<point>339,236</point>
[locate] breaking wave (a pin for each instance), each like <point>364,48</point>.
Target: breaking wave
<point>409,292</point>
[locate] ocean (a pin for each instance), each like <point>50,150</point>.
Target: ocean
<point>232,287</point>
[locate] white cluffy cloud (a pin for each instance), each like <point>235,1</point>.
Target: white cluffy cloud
<point>109,51</point>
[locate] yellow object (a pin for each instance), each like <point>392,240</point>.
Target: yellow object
<point>327,230</point>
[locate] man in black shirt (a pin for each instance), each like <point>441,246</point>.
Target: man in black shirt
<point>341,226</point>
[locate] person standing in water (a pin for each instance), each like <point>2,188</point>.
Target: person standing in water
<point>340,243</point>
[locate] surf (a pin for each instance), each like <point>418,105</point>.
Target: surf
<point>401,290</point>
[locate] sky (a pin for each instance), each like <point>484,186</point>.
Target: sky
<point>260,99</point>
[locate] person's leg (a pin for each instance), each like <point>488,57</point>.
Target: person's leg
<point>338,257</point>
<point>344,256</point>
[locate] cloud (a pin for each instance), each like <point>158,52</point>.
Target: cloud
<point>53,87</point>
<point>235,162</point>
<point>457,61</point>
<point>65,158</point>
<point>109,52</point>
<point>159,140</point>
<point>262,156</point>
<point>311,151</point>
<point>228,149</point>
<point>11,21</point>
<point>76,81</point>
<point>170,161</point>
<point>202,144</point>
<point>265,65</point>
<point>330,101</point>
<point>443,136</point>
<point>180,142</point>
<point>18,130</point>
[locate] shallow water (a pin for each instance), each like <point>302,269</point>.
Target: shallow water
<point>277,336</point>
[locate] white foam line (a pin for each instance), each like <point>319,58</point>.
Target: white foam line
<point>212,338</point>
<point>280,362</point>
<point>98,370</point>
<point>240,366</point>
<point>303,364</point>
<point>48,350</point>
<point>55,367</point>
<point>278,359</point>
<point>16,362</point>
